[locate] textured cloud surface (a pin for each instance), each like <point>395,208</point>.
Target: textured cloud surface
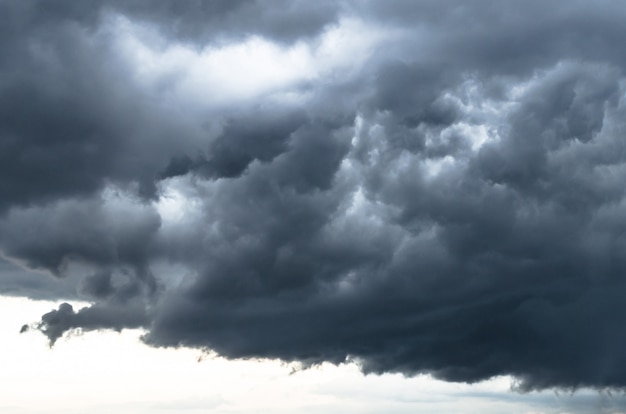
<point>417,186</point>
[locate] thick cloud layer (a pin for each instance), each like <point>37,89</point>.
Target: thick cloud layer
<point>416,186</point>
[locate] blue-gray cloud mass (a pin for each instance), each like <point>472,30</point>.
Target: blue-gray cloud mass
<point>453,203</point>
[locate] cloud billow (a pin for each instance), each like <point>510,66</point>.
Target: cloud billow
<point>447,200</point>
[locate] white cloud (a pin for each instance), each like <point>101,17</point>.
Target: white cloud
<point>218,75</point>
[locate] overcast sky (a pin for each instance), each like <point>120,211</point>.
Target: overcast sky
<point>411,189</point>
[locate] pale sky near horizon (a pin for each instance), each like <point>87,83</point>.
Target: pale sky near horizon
<point>104,372</point>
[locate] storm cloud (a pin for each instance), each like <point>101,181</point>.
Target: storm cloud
<point>420,187</point>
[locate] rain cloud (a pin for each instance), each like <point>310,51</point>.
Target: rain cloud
<point>420,187</point>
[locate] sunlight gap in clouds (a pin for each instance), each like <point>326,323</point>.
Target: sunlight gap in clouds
<point>218,75</point>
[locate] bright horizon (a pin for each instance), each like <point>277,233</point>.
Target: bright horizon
<point>101,372</point>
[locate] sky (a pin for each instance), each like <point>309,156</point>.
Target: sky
<point>333,206</point>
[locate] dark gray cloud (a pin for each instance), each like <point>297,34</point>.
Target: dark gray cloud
<point>449,202</point>
<point>16,281</point>
<point>204,22</point>
<point>56,322</point>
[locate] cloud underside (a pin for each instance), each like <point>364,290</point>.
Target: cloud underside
<point>414,186</point>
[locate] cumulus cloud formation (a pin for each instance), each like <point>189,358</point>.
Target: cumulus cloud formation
<point>422,187</point>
